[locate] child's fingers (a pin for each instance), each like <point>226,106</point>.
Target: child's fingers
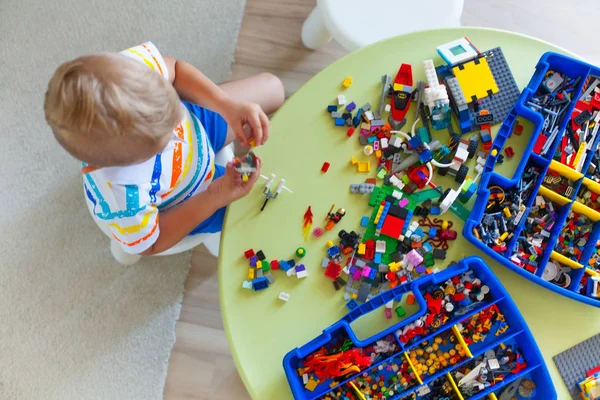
<point>256,125</point>
<point>266,126</point>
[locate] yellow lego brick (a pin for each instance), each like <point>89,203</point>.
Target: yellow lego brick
<point>364,166</point>
<point>353,160</point>
<point>398,87</point>
<point>378,153</point>
<point>250,273</point>
<point>311,385</point>
<point>394,266</point>
<point>362,248</point>
<point>475,79</point>
<point>347,82</point>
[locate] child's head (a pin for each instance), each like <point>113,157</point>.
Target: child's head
<point>109,110</point>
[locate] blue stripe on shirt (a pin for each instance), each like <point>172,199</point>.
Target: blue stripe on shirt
<point>132,195</point>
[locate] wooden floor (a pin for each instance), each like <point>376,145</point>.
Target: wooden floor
<point>201,366</point>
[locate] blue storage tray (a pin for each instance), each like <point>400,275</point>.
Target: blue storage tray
<point>517,334</point>
<point>579,285</point>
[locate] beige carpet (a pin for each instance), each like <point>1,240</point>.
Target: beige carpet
<point>73,323</point>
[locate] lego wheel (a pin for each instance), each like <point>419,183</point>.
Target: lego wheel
<point>442,171</point>
<point>461,174</point>
<point>472,149</point>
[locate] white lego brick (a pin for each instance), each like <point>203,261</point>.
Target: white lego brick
<point>384,143</point>
<point>284,296</point>
<point>461,154</point>
<point>301,274</point>
<point>247,284</point>
<point>396,194</point>
<point>341,100</point>
<point>388,108</point>
<point>380,246</point>
<point>291,271</point>
<point>369,115</point>
<point>457,51</point>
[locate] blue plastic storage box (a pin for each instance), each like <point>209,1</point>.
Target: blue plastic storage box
<point>571,275</point>
<point>391,349</point>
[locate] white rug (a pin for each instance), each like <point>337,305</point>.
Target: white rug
<point>73,323</point>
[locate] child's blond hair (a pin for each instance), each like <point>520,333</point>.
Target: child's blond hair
<point>109,110</point>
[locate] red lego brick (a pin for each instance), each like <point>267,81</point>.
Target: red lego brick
<point>539,143</point>
<point>274,264</point>
<point>350,132</point>
<point>392,227</point>
<point>509,152</point>
<point>249,254</point>
<point>371,180</point>
<point>325,166</point>
<point>333,270</point>
<point>519,130</point>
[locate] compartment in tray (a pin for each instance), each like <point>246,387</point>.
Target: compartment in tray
<point>489,369</point>
<point>507,206</point>
<point>485,327</point>
<point>533,242</point>
<point>390,379</point>
<point>435,356</point>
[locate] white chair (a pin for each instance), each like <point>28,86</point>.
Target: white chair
<point>212,241</point>
<point>358,23</point>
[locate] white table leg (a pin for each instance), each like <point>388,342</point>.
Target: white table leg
<point>314,31</point>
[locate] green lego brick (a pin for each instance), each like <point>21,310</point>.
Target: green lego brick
<point>400,312</point>
<point>421,196</point>
<point>460,211</point>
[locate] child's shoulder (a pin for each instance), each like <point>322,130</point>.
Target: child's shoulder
<point>148,54</point>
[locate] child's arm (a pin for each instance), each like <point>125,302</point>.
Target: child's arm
<point>193,86</point>
<point>177,222</point>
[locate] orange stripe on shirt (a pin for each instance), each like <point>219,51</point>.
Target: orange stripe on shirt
<point>177,157</point>
<point>139,240</point>
<point>154,58</point>
<point>188,162</point>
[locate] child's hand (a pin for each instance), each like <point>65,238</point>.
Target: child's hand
<point>230,186</point>
<point>240,113</point>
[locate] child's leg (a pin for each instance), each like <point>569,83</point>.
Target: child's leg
<point>264,89</point>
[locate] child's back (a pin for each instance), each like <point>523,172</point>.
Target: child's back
<point>144,151</point>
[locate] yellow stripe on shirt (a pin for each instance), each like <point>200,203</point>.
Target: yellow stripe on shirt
<point>137,53</point>
<point>134,228</point>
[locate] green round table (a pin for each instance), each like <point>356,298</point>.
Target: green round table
<point>260,328</point>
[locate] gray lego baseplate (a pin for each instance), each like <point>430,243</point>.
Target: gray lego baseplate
<point>576,361</point>
<point>500,104</point>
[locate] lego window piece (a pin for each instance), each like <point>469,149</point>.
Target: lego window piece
<point>457,51</point>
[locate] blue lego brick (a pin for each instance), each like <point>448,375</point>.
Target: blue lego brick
<point>356,119</point>
<point>332,108</point>
<point>333,251</point>
<point>425,156</point>
<point>415,142</point>
<point>260,283</point>
<point>377,258</point>
<point>364,221</point>
<point>352,304</point>
<point>283,265</point>
<point>340,122</point>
